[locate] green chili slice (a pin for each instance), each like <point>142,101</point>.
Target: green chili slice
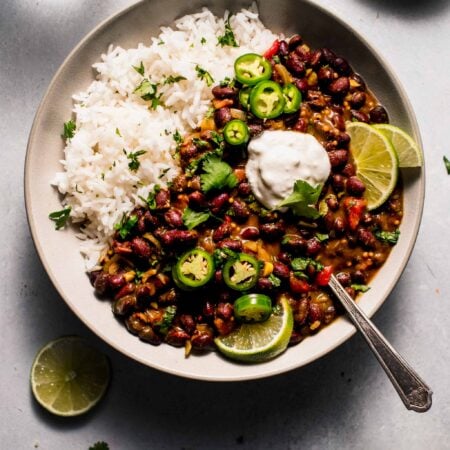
<point>236,132</point>
<point>241,273</point>
<point>251,68</point>
<point>244,97</point>
<point>292,98</point>
<point>267,100</point>
<point>253,308</point>
<point>193,269</point>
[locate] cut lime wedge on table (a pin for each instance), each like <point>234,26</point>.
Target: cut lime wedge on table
<point>408,152</point>
<point>376,162</point>
<point>69,376</point>
<point>258,342</point>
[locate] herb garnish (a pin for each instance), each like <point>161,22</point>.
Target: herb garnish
<point>177,137</point>
<point>139,69</point>
<point>166,322</point>
<point>391,237</point>
<point>303,199</point>
<point>204,75</point>
<point>447,164</point>
<point>101,445</point>
<point>300,264</point>
<point>195,164</point>
<point>60,217</point>
<point>118,132</point>
<point>276,282</point>
<point>148,92</point>
<point>151,198</point>
<point>171,79</point>
<point>134,163</point>
<point>360,287</point>
<point>125,225</point>
<point>192,219</point>
<point>322,237</point>
<point>228,37</point>
<point>202,41</point>
<point>69,129</point>
<point>218,174</point>
<point>163,173</point>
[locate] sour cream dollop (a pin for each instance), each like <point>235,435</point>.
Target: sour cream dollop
<point>278,158</point>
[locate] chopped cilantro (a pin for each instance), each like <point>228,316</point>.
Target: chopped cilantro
<point>161,42</point>
<point>118,132</point>
<point>228,37</point>
<point>192,219</point>
<point>210,113</point>
<point>125,225</point>
<point>139,69</point>
<point>360,287</point>
<point>204,75</point>
<point>391,237</point>
<point>218,174</point>
<point>166,322</point>
<point>148,92</point>
<point>276,59</point>
<point>303,199</point>
<point>202,41</point>
<point>222,255</point>
<point>276,282</point>
<point>163,173</point>
<point>171,79</point>
<point>194,165</point>
<point>300,264</point>
<point>177,137</point>
<point>134,163</point>
<point>151,198</point>
<point>227,81</point>
<point>200,143</point>
<point>447,164</point>
<point>60,217</point>
<point>101,445</point>
<point>69,129</point>
<point>322,237</point>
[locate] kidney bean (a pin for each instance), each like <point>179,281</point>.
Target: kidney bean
<point>342,66</point>
<point>272,230</point>
<point>350,291</point>
<point>313,246</point>
<point>244,189</point>
<point>325,75</point>
<point>264,284</point>
<point>355,186</point>
<point>218,202</point>
<point>359,277</point>
<point>170,296</point>
<point>344,278</point>
<point>283,50</point>
<point>187,322</point>
<point>202,338</point>
<point>357,99</point>
<point>255,129</point>
<point>225,311</point>
<point>343,139</point>
<point>332,202</point>
<point>338,121</point>
<point>329,314</point>
<point>178,237</point>
<point>240,210</point>
<point>295,64</point>
<point>298,286</point>
<point>179,183</point>
<point>249,233</point>
<point>188,151</point>
<point>338,182</point>
<point>315,313</point>
<point>232,244</point>
<point>295,41</point>
<point>141,248</point>
<point>147,334</point>
<point>222,116</point>
<point>339,87</point>
<point>316,100</point>
<point>304,53</point>
<point>366,237</point>
<point>174,218</point>
<point>378,115</point>
<point>176,336</point>
<point>126,289</point>
<point>124,305</point>
<point>101,283</point>
<point>301,125</point>
<point>349,170</point>
<point>328,56</point>
<point>143,293</point>
<point>338,158</point>
<point>281,270</point>
<point>302,85</point>
<point>222,92</point>
<point>339,225</point>
<point>367,219</point>
<point>222,231</point>
<point>301,311</point>
<point>315,58</point>
<point>296,337</point>
<point>284,257</point>
<point>293,243</point>
<point>359,116</point>
<point>162,199</point>
<point>197,199</point>
<point>147,222</point>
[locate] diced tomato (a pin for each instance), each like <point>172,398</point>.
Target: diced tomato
<point>354,208</point>
<point>323,277</point>
<point>299,286</point>
<point>273,50</point>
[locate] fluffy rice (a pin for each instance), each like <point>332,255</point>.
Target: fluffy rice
<point>110,118</point>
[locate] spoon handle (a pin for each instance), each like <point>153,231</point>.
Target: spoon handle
<point>413,391</point>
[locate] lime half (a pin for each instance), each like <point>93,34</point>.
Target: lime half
<point>376,162</point>
<point>258,342</point>
<point>69,376</point>
<point>408,152</point>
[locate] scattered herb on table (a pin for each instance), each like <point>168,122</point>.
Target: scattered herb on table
<point>60,217</point>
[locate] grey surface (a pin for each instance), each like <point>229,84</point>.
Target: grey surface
<point>343,401</point>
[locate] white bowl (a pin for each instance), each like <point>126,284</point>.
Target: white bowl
<point>59,251</point>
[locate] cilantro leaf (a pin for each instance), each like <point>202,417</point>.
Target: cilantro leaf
<point>391,237</point>
<point>177,137</point>
<point>69,129</point>
<point>360,287</point>
<point>125,225</point>
<point>101,445</point>
<point>300,264</point>
<point>171,79</point>
<point>276,282</point>
<point>322,237</point>
<point>228,37</point>
<point>192,219</point>
<point>148,92</point>
<point>447,164</point>
<point>166,322</point>
<point>139,69</point>
<point>202,41</point>
<point>303,199</point>
<point>204,75</point>
<point>134,163</point>
<point>218,174</point>
<point>151,198</point>
<point>60,217</point>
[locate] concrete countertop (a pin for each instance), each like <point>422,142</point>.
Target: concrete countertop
<point>342,401</point>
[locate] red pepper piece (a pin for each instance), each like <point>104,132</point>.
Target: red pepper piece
<point>354,208</point>
<point>299,286</point>
<point>273,50</point>
<point>323,277</point>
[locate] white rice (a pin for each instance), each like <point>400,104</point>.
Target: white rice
<point>97,182</point>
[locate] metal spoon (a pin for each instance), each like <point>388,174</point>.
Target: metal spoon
<point>413,391</point>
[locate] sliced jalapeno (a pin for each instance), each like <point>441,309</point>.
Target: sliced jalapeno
<point>241,273</point>
<point>236,132</point>
<point>244,97</point>
<point>292,98</point>
<point>267,100</point>
<point>193,269</point>
<point>252,68</point>
<point>253,308</point>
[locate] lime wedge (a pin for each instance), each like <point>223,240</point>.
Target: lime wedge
<point>376,162</point>
<point>258,342</point>
<point>69,377</point>
<point>409,154</point>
